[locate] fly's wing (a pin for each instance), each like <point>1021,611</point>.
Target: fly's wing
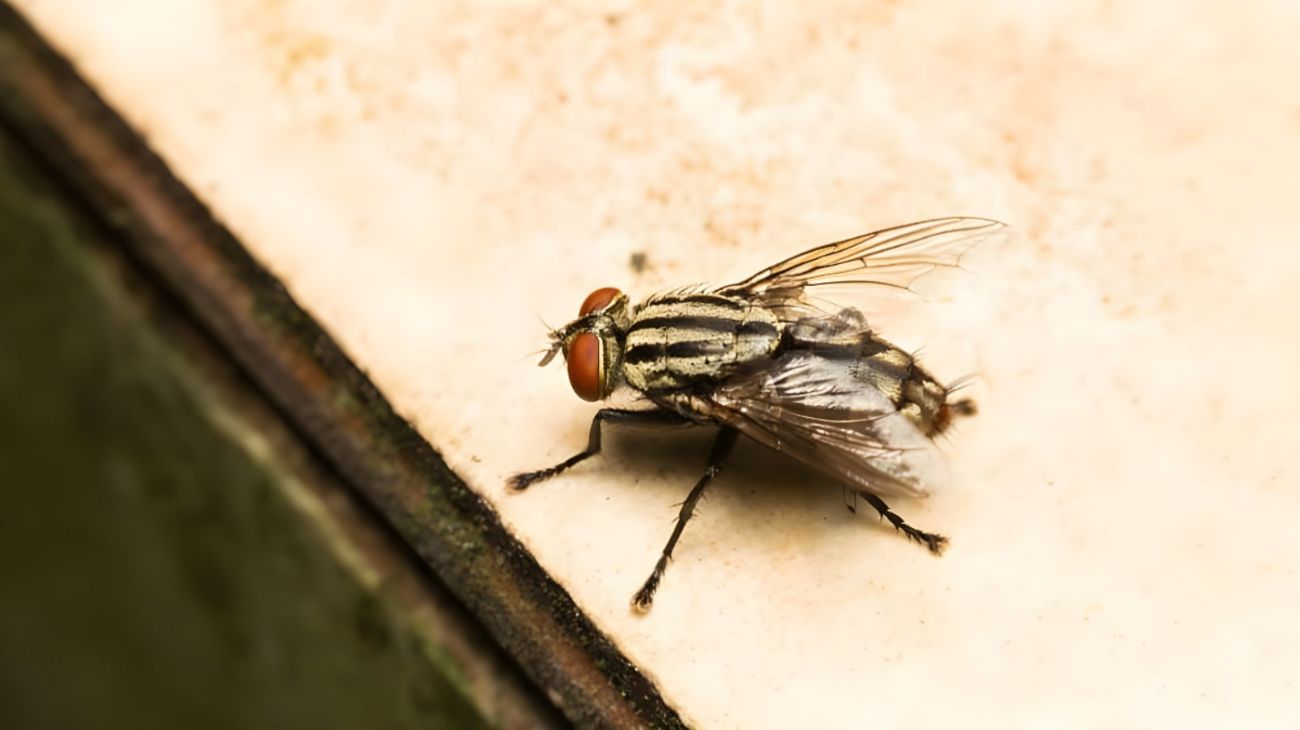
<point>892,258</point>
<point>821,412</point>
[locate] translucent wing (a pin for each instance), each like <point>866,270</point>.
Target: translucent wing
<point>820,411</point>
<point>892,258</point>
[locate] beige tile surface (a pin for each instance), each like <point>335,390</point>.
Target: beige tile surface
<point>428,179</point>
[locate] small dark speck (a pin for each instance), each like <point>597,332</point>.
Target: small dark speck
<point>637,261</point>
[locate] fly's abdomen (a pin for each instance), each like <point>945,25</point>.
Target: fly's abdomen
<point>679,341</point>
<point>914,392</point>
<point>879,365</point>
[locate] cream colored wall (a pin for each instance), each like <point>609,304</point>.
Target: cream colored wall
<point>427,180</point>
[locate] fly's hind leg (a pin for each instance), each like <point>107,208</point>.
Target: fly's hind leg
<point>721,449</point>
<point>935,543</point>
<point>659,417</point>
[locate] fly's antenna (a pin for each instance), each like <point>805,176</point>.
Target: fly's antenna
<point>557,340</point>
<point>535,353</point>
<point>549,356</point>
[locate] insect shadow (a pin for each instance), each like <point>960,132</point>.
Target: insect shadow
<point>762,490</point>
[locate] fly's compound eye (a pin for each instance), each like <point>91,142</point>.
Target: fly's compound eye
<point>598,300</point>
<point>584,357</point>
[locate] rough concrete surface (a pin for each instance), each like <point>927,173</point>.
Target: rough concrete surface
<point>429,180</point>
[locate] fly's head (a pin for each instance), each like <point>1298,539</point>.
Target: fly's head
<point>593,343</point>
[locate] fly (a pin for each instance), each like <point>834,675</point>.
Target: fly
<point>765,359</point>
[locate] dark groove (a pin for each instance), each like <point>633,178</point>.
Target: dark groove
<point>699,348</point>
<point>708,324</point>
<point>758,327</point>
<point>714,299</point>
<point>641,354</point>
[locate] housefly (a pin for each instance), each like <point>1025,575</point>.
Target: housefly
<point>767,358</point>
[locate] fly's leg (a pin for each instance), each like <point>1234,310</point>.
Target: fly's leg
<point>721,449</point>
<point>613,415</point>
<point>936,543</point>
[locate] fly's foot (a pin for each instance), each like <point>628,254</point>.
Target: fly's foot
<point>935,543</point>
<point>642,600</point>
<point>644,597</point>
<point>520,482</point>
<point>721,448</point>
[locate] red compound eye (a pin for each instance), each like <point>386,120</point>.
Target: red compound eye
<point>585,374</point>
<point>598,300</point>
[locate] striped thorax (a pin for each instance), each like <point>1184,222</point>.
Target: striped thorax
<point>675,341</point>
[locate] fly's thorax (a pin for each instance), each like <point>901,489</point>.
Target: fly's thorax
<point>678,341</point>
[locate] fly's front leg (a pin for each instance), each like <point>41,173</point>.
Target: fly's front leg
<point>935,543</point>
<point>657,417</point>
<point>721,449</point>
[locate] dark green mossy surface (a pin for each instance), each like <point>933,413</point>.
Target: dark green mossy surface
<point>152,570</point>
